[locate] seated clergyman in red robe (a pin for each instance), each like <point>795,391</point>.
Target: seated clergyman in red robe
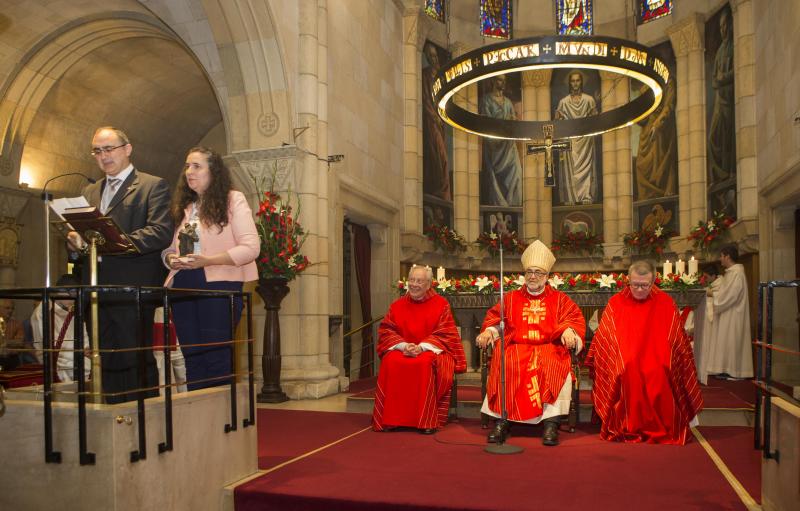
<point>420,349</point>
<point>541,326</point>
<point>645,383</point>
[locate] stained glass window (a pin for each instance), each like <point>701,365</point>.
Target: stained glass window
<point>653,9</point>
<point>574,17</point>
<point>435,9</point>
<point>496,18</point>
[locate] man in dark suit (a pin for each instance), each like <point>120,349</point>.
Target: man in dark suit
<point>139,204</point>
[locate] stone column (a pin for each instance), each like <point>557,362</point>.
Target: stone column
<point>412,131</point>
<point>624,182</point>
<point>473,171</point>
<point>611,190</point>
<point>531,164</point>
<point>12,202</point>
<point>745,90</point>
<point>686,37</point>
<point>539,210</point>
<point>459,165</point>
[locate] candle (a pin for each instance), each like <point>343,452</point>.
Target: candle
<point>680,267</point>
<point>667,268</point>
<point>439,274</point>
<point>693,266</point>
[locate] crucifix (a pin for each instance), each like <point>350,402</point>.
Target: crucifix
<point>547,146</point>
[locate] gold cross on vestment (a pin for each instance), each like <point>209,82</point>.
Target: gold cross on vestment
<point>535,312</point>
<point>547,145</point>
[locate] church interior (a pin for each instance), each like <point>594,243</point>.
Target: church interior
<point>336,101</point>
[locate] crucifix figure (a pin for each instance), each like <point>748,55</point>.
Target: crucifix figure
<point>547,146</point>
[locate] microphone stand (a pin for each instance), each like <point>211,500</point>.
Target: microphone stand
<point>501,447</point>
<point>47,198</point>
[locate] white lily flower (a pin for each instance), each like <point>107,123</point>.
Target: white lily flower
<point>520,280</point>
<point>492,236</point>
<point>444,284</point>
<point>555,281</point>
<point>607,281</point>
<point>482,282</point>
<point>659,231</point>
<point>688,279</point>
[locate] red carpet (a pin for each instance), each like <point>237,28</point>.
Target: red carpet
<point>405,470</point>
<point>734,444</point>
<point>286,434</point>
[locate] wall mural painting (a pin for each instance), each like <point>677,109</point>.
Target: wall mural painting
<point>589,221</point>
<point>654,143</point>
<point>500,221</point>
<point>650,215</point>
<point>501,160</point>
<point>720,121</point>
<point>575,93</point>
<point>437,142</point>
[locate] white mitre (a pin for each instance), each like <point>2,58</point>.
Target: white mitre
<point>537,254</point>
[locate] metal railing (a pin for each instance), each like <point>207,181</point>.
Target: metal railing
<point>765,386</point>
<point>80,295</point>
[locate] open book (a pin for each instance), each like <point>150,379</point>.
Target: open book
<point>86,220</point>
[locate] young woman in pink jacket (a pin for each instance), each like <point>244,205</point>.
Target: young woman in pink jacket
<point>214,247</point>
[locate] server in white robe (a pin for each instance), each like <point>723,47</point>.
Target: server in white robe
<point>729,352</point>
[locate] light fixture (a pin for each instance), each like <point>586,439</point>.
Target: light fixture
<point>619,56</point>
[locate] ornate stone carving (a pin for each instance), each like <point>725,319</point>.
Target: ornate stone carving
<point>538,78</point>
<point>687,35</point>
<point>9,242</point>
<point>268,123</point>
<point>261,163</point>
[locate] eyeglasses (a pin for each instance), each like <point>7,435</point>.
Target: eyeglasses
<point>641,286</point>
<point>536,273</point>
<point>97,151</point>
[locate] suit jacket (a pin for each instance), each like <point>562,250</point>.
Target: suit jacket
<point>141,209</point>
<point>239,238</point>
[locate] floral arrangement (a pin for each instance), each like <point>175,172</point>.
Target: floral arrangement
<point>577,243</point>
<point>710,233</point>
<point>591,282</point>
<point>281,236</point>
<point>492,242</point>
<point>647,242</point>
<point>445,239</point>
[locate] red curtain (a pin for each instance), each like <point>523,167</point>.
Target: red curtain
<point>362,259</point>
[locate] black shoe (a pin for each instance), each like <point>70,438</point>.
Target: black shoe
<point>499,433</point>
<point>550,435</point>
<point>427,431</point>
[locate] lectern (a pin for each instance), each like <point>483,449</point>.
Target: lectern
<point>103,237</point>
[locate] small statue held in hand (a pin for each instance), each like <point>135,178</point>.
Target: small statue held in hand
<point>187,237</point>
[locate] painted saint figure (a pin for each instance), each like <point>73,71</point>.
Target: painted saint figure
<point>577,176</point>
<point>501,168</point>
<point>721,135</point>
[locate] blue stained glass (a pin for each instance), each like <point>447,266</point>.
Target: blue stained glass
<point>574,17</point>
<point>435,9</point>
<point>496,18</point>
<point>653,9</point>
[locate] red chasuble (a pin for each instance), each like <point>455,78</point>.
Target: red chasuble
<point>415,391</point>
<point>645,384</point>
<point>537,364</point>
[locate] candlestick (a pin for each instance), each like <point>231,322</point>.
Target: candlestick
<point>693,266</point>
<point>667,268</point>
<point>440,274</point>
<point>680,267</point>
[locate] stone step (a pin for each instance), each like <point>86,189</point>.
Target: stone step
<point>472,410</point>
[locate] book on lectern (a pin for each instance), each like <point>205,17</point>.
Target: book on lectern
<point>86,220</point>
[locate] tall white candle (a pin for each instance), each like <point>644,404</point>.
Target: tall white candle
<point>667,268</point>
<point>693,266</point>
<point>680,267</point>
<point>440,274</point>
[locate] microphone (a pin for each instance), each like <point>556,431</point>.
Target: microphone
<point>46,196</point>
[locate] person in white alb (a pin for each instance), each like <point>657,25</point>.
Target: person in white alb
<point>63,332</point>
<point>729,350</point>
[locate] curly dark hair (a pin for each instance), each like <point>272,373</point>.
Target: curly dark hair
<point>214,206</point>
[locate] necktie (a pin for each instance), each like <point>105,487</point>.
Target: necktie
<point>111,189</point>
